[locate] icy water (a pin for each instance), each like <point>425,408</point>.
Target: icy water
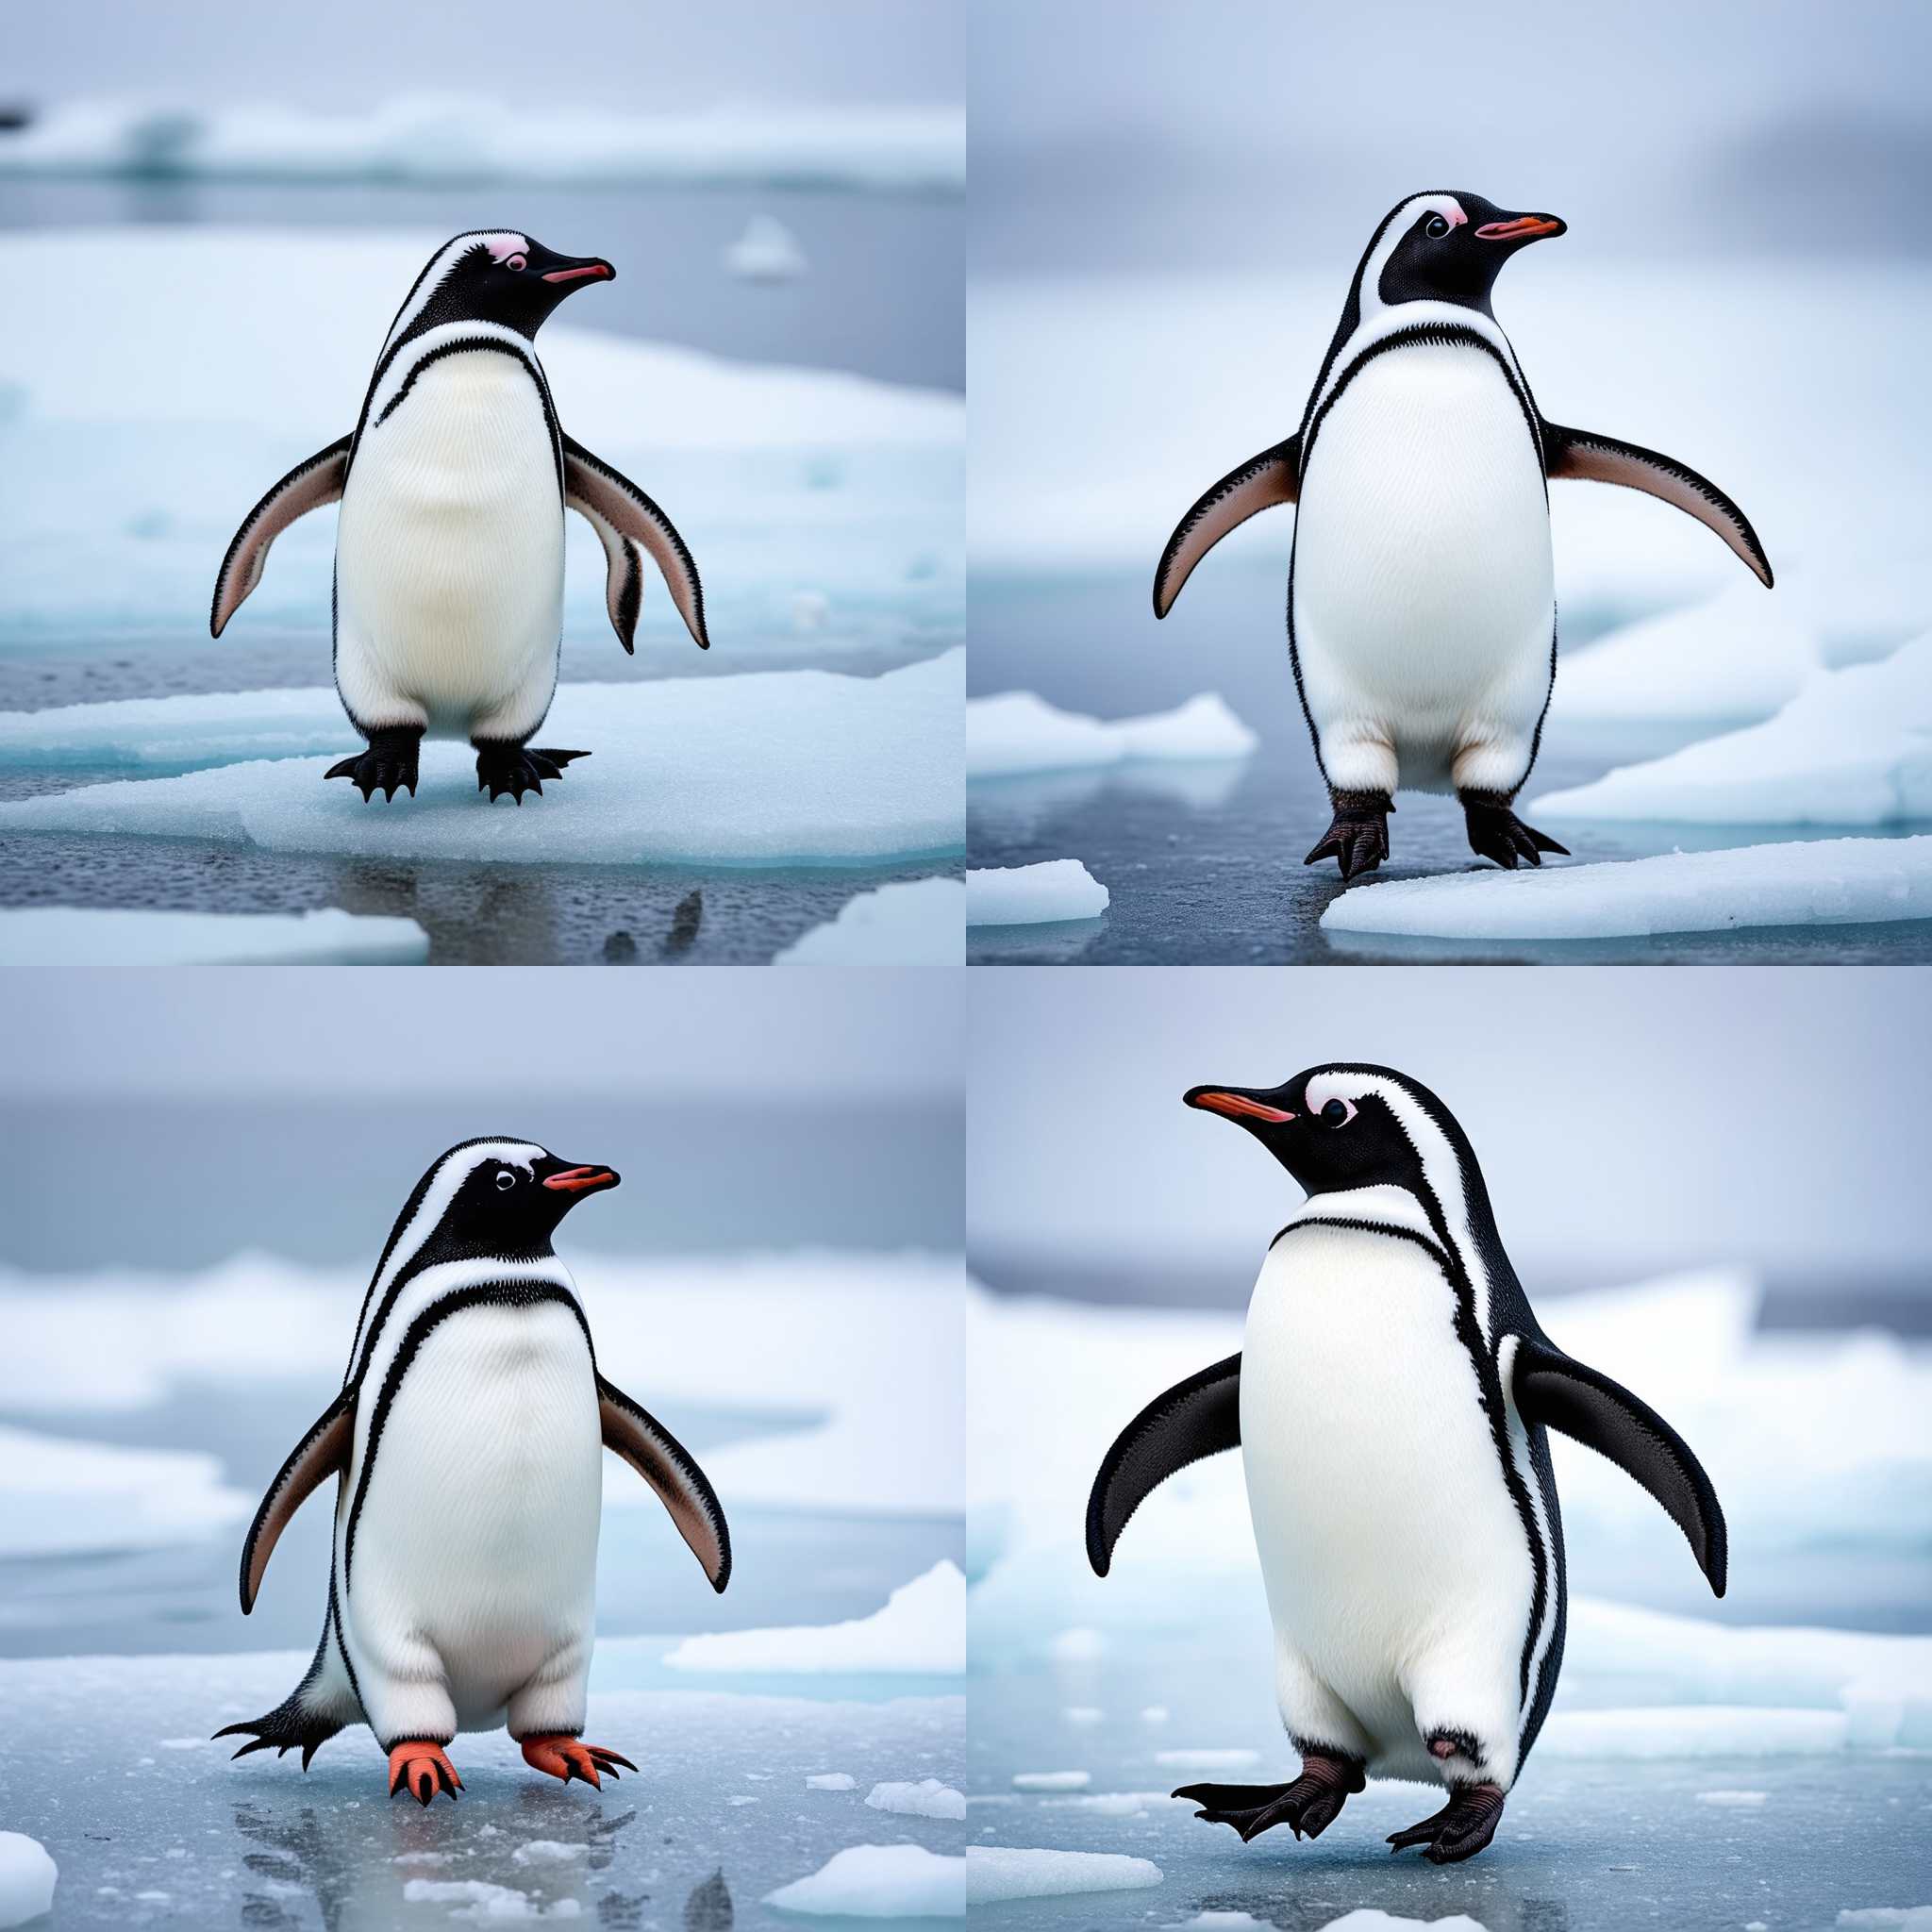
<point>1204,862</point>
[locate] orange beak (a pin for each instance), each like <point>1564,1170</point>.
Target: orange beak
<point>578,1180</point>
<point>1238,1106</point>
<point>1523,228</point>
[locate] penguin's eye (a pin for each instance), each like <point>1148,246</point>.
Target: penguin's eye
<point>516,263</point>
<point>1337,1113</point>
<point>505,1181</point>
<point>1436,227</point>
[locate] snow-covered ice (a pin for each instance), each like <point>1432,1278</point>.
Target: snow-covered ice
<point>1368,1918</point>
<point>60,1496</point>
<point>127,936</point>
<point>1055,889</point>
<point>1852,747</point>
<point>996,1872</point>
<point>767,251</point>
<point>908,922</point>
<point>928,1798</point>
<point>446,138</point>
<point>921,1630</point>
<point>720,771</point>
<point>547,1851</point>
<point>831,1781</point>
<point>1017,733</point>
<point>27,1876</point>
<point>879,1882</point>
<point>1052,1780</point>
<point>479,1901</point>
<point>1815,882</point>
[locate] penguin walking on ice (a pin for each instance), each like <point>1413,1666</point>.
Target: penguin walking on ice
<point>467,1446</point>
<point>448,607</point>
<point>1392,1403</point>
<point>1422,615</point>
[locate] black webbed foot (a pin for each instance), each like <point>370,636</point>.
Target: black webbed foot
<point>1495,832</point>
<point>388,766</point>
<point>516,769</point>
<point>1357,836</point>
<point>1307,1806</point>
<point>1459,1830</point>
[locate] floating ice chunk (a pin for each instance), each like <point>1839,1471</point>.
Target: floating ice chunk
<point>1228,1920</point>
<point>790,767</point>
<point>997,1872</point>
<point>1854,748</point>
<point>1369,1919</point>
<point>477,1899</point>
<point>831,1781</point>
<point>1055,889</point>
<point>879,1882</point>
<point>1113,1804</point>
<point>27,1876</point>
<point>928,1798</point>
<point>1711,1730</point>
<point>1208,1761</point>
<point>1733,1801</point>
<point>908,922</point>
<point>1083,1716</point>
<point>100,936</point>
<point>922,1629</point>
<point>1019,732</point>
<point>768,251</point>
<point>59,1496</point>
<point>1819,882</point>
<point>1052,1780</point>
<point>445,137</point>
<point>1889,1918</point>
<point>548,1851</point>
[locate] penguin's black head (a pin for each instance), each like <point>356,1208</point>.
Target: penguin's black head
<point>508,1195</point>
<point>1341,1126</point>
<point>500,275</point>
<point>1449,248</point>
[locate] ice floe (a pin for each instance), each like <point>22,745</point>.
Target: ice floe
<point>879,1882</point>
<point>1052,1780</point>
<point>1816,882</point>
<point>776,768</point>
<point>920,1629</point>
<point>831,1781</point>
<point>62,1496</point>
<point>27,1877</point>
<point>445,138</point>
<point>1017,733</point>
<point>1854,748</point>
<point>127,936</point>
<point>1053,889</point>
<point>480,1900</point>
<point>767,251</point>
<point>997,1872</point>
<point>928,1798</point>
<point>908,922</point>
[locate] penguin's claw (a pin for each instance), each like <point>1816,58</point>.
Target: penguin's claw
<point>1459,1830</point>
<point>566,1757</point>
<point>1357,836</point>
<point>1307,1806</point>
<point>371,771</point>
<point>516,769</point>
<point>423,1770</point>
<point>1495,832</point>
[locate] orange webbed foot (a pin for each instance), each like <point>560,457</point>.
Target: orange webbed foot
<point>567,1757</point>
<point>423,1770</point>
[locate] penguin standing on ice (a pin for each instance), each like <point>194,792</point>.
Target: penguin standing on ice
<point>1422,619</point>
<point>467,1445</point>
<point>448,609</point>
<point>1392,1403</point>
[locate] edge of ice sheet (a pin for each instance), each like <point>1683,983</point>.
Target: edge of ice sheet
<point>879,1882</point>
<point>995,1872</point>
<point>727,771</point>
<point>921,1630</point>
<point>64,1496</point>
<point>1019,734</point>
<point>130,936</point>
<point>1045,893</point>
<point>27,1877</point>
<point>1814,882</point>
<point>908,922</point>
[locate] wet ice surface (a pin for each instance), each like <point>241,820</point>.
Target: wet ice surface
<point>1203,861</point>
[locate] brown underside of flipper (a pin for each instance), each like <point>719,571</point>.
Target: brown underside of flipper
<point>309,486</point>
<point>663,1462</point>
<point>626,521</point>
<point>1261,483</point>
<point>322,1452</point>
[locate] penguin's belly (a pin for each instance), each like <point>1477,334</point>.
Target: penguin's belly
<point>449,552</point>
<point>1386,1531</point>
<point>479,1530</point>
<point>1423,587</point>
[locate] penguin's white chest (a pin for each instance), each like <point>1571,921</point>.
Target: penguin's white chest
<point>479,1528</point>
<point>1384,1523</point>
<point>449,551</point>
<point>1423,595</point>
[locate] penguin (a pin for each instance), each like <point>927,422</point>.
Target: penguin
<point>1422,615</point>
<point>465,1444</point>
<point>447,613</point>
<point>1392,1402</point>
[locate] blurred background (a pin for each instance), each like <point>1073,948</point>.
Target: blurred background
<point>1167,207</point>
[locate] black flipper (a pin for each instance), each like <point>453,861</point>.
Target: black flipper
<point>1199,1417</point>
<point>322,1452</point>
<point>627,523</point>
<point>1261,483</point>
<point>663,1462</point>
<point>307,485</point>
<point>1593,458</point>
<point>1590,1408</point>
